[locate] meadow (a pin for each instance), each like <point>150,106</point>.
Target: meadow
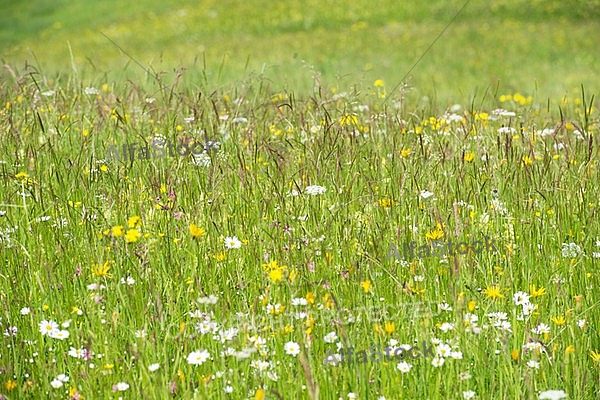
<point>235,223</point>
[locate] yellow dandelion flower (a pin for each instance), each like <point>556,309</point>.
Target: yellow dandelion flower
<point>493,292</point>
<point>559,320</point>
<point>132,236</point>
<point>595,357</point>
<point>276,275</point>
<point>514,355</point>
<point>102,270</point>
<point>196,231</point>
<point>221,256</point>
<point>260,394</point>
<point>117,231</point>
<point>435,234</point>
<point>310,298</point>
<point>527,160</point>
<point>389,327</point>
<point>471,305</point>
<point>134,221</point>
<point>10,385</point>
<point>533,292</point>
<point>405,153</point>
<point>348,120</point>
<point>469,157</point>
<point>378,83</point>
<point>366,285</point>
<point>570,349</point>
<point>109,366</point>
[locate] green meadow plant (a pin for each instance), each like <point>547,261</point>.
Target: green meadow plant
<point>238,276</point>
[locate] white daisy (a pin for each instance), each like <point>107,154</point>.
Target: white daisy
<point>198,357</point>
<point>47,327</point>
<point>404,367</point>
<point>292,348</point>
<point>232,242</point>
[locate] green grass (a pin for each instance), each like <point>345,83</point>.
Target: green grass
<point>542,48</point>
<point>119,252</point>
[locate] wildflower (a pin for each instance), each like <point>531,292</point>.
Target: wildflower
<point>132,236</point>
<point>468,395</point>
<point>536,292</point>
<point>541,329</point>
<point>405,152</point>
<point>59,334</point>
<point>331,337</point>
<point>570,250</point>
<point>425,194</point>
<point>153,367</point>
<point>129,281</point>
<point>315,190</point>
<point>232,242</point>
<point>134,221</point>
<point>196,231</point>
<point>437,362</point>
<point>552,395</point>
<point>521,298</point>
<point>366,285</point>
<point>292,348</point>
<point>595,357</point>
<point>117,231</point>
<point>533,364</point>
<point>404,367</point>
<point>389,327</point>
<point>76,353</point>
<point>198,357</point>
<point>10,385</point>
<point>493,292</point>
<point>121,387</point>
<point>212,299</point>
<point>378,83</point>
<point>47,327</point>
<point>101,270</point>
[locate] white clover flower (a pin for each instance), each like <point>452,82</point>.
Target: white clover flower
<point>122,386</point>
<point>153,367</point>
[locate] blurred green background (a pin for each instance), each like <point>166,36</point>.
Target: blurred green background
<point>542,48</point>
